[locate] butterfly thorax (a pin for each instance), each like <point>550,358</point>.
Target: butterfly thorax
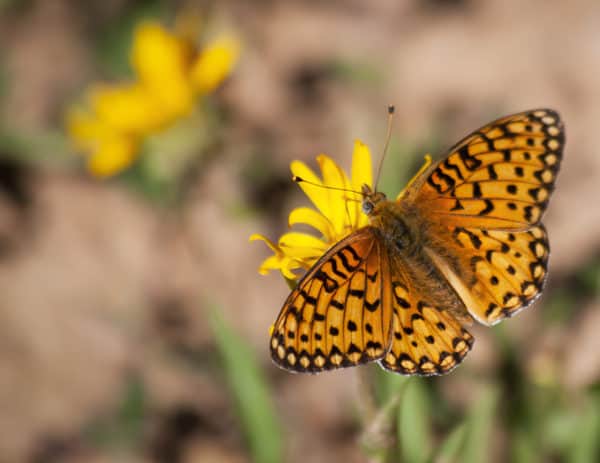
<point>390,219</point>
<point>405,237</point>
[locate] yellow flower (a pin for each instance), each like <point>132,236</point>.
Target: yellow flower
<point>128,108</point>
<point>214,64</point>
<point>278,261</point>
<point>113,155</point>
<point>162,61</point>
<point>111,150</point>
<point>171,74</point>
<point>338,212</point>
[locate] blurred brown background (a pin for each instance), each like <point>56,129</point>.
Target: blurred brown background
<point>106,353</point>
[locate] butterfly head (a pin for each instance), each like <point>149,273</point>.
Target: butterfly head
<point>371,199</point>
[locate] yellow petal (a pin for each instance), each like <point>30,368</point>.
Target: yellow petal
<point>215,63</point>
<point>259,237</point>
<point>85,129</point>
<point>313,218</point>
<point>162,61</point>
<point>302,245</point>
<point>287,267</point>
<point>333,175</point>
<point>270,263</point>
<point>126,108</point>
<point>284,264</point>
<point>341,213</point>
<point>113,155</point>
<point>316,193</point>
<point>362,173</point>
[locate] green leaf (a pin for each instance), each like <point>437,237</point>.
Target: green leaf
<point>132,411</point>
<point>387,385</point>
<point>414,423</point>
<point>586,445</point>
<point>6,4</point>
<point>559,307</point>
<point>524,448</point>
<point>559,429</point>
<point>378,438</point>
<point>123,428</point>
<point>589,276</point>
<point>452,445</point>
<point>48,147</point>
<point>480,420</point>
<point>250,392</point>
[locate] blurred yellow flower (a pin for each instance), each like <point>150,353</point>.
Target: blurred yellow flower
<point>171,74</point>
<point>162,63</point>
<point>111,150</point>
<point>338,212</point>
<point>214,64</point>
<point>128,108</point>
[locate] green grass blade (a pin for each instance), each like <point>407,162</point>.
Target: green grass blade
<point>387,385</point>
<point>378,438</point>
<point>524,448</point>
<point>122,429</point>
<point>251,393</point>
<point>414,423</point>
<point>586,445</point>
<point>450,448</point>
<point>559,429</point>
<point>480,420</point>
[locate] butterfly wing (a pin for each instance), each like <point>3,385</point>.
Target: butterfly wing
<point>495,272</point>
<point>339,315</point>
<point>484,202</point>
<point>499,177</point>
<point>426,339</point>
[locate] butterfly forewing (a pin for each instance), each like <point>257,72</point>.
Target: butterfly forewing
<point>340,314</point>
<point>499,177</point>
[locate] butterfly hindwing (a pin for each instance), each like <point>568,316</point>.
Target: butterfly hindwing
<point>426,340</point>
<point>339,314</point>
<point>499,177</point>
<point>499,271</point>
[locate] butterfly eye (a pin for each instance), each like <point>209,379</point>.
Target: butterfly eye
<point>367,207</point>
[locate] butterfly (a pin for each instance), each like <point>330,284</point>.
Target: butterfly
<point>463,242</point>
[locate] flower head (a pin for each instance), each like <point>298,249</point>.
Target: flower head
<point>338,212</point>
<point>171,74</point>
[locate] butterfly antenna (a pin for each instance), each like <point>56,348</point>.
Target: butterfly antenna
<point>388,135</point>
<point>298,179</point>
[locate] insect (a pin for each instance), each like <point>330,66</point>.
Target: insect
<point>463,242</point>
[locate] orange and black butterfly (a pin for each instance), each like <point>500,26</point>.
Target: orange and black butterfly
<point>463,242</point>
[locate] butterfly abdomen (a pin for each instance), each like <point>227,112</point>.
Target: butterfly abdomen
<point>405,239</point>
